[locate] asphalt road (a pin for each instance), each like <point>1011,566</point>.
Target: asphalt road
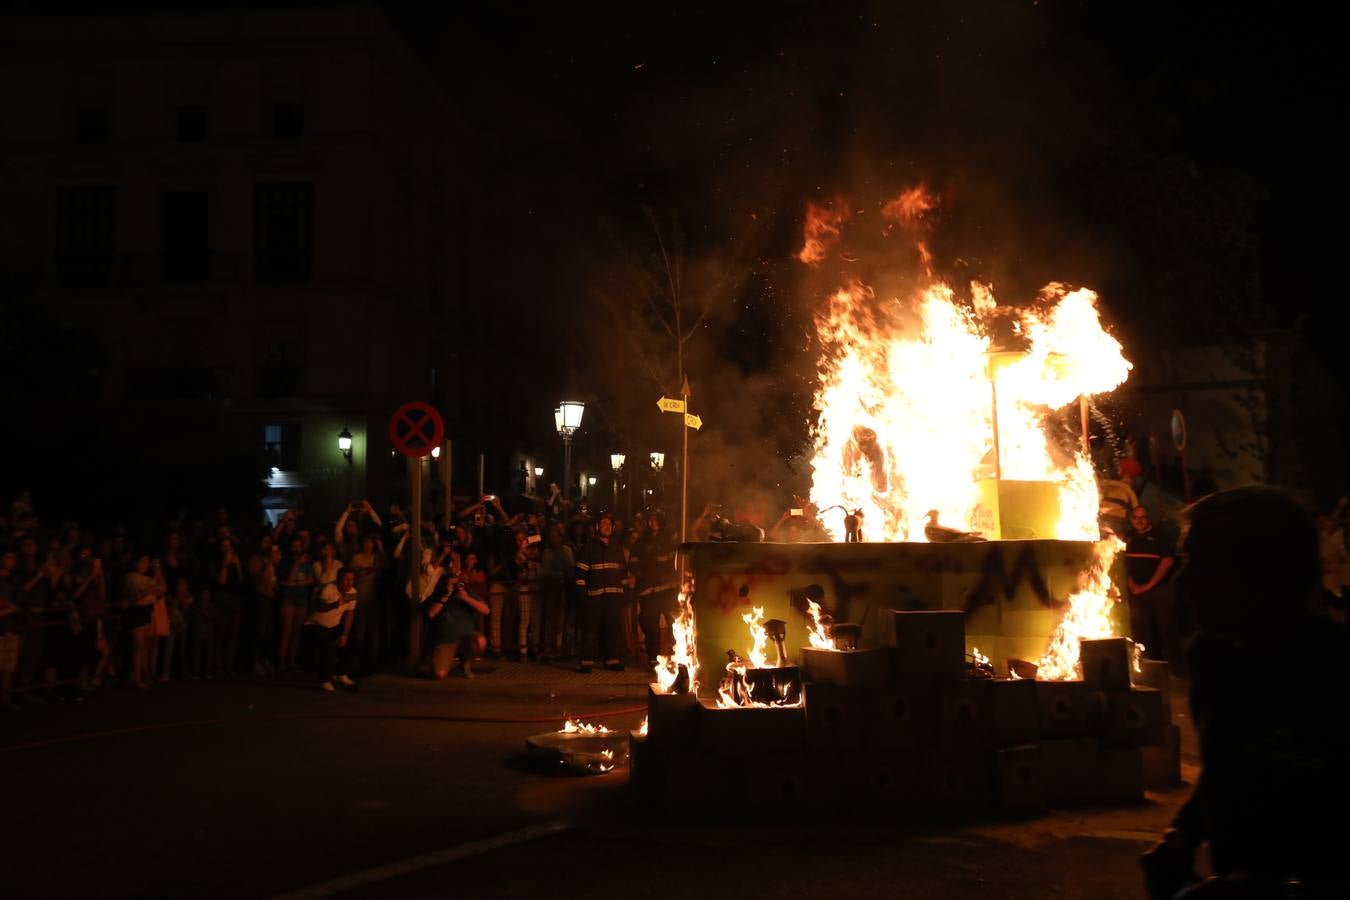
<point>267,788</point>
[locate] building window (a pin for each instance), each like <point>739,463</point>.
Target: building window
<point>288,119</point>
<point>91,125</point>
<point>186,232</point>
<point>281,446</point>
<point>190,123</point>
<point>283,239</point>
<point>85,241</point>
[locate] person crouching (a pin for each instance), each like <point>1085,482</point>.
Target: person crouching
<point>451,610</point>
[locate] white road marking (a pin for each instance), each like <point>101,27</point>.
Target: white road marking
<point>425,861</point>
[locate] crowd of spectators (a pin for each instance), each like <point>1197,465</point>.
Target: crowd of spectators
<point>85,609</point>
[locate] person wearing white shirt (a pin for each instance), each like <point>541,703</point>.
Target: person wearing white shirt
<point>330,623</point>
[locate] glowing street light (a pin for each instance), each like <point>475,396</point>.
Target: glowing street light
<point>567,419</point>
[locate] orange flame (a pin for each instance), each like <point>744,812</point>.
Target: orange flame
<point>908,396</point>
<point>821,231</point>
<point>910,211</point>
<point>820,639</point>
<point>1087,618</point>
<point>685,651</point>
<point>572,726</point>
<point>642,729</point>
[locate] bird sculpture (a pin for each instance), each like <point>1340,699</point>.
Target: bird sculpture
<point>941,534</point>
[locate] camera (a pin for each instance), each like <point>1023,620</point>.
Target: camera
<point>459,586</point>
<point>533,539</point>
<point>794,512</point>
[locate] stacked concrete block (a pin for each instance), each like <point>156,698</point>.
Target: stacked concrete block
<point>1014,715</point>
<point>1106,664</point>
<point>1071,770</point>
<point>908,733</point>
<point>1157,673</point>
<point>1019,779</point>
<point>1067,709</point>
<point>672,719</point>
<point>881,785</point>
<point>743,730</point>
<point>1162,763</point>
<point>965,714</point>
<point>835,716</point>
<point>1134,718</point>
<point>870,666</point>
<point>930,646</point>
<point>781,786</point>
<point>954,783</point>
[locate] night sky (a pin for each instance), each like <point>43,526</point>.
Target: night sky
<point>1177,160</point>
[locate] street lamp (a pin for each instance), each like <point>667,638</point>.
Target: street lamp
<point>590,485</point>
<point>616,463</point>
<point>436,452</point>
<point>345,444</point>
<point>658,461</point>
<point>567,419</point>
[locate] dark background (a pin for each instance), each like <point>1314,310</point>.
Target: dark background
<point>1180,161</point>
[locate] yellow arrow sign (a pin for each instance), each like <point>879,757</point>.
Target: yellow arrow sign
<point>693,421</point>
<point>667,404</point>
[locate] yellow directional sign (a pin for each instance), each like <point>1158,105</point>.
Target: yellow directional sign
<point>693,421</point>
<point>667,404</point>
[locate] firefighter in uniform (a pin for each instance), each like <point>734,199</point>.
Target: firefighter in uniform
<point>653,562</point>
<point>602,569</point>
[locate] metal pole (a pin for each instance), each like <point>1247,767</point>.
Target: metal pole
<point>480,474</point>
<point>684,463</point>
<point>415,562</point>
<point>567,467</point>
<point>447,470</point>
<point>615,505</point>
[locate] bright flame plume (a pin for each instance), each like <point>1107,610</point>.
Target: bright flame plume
<point>818,633</point>
<point>572,726</point>
<point>1087,618</point>
<point>685,650</point>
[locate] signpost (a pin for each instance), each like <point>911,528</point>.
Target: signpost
<point>681,406</point>
<point>1179,437</point>
<point>415,429</point>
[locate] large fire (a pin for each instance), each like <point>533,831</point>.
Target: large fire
<point>684,654</point>
<point>921,399</point>
<point>1087,618</point>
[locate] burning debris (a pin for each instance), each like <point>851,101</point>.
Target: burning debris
<point>572,726</point>
<point>932,402</point>
<point>1087,618</point>
<point>678,673</point>
<point>755,682</point>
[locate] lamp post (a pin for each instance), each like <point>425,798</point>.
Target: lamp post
<point>616,463</point>
<point>658,463</point>
<point>567,419</point>
<point>345,444</point>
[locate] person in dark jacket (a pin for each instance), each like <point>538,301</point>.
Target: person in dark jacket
<point>1267,670</point>
<point>602,568</point>
<point>653,562</point>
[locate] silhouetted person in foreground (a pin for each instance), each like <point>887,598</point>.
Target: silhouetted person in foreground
<point>1267,695</point>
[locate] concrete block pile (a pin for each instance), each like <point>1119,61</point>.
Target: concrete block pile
<point>912,732</point>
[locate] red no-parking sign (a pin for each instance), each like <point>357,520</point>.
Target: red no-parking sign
<point>416,429</point>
